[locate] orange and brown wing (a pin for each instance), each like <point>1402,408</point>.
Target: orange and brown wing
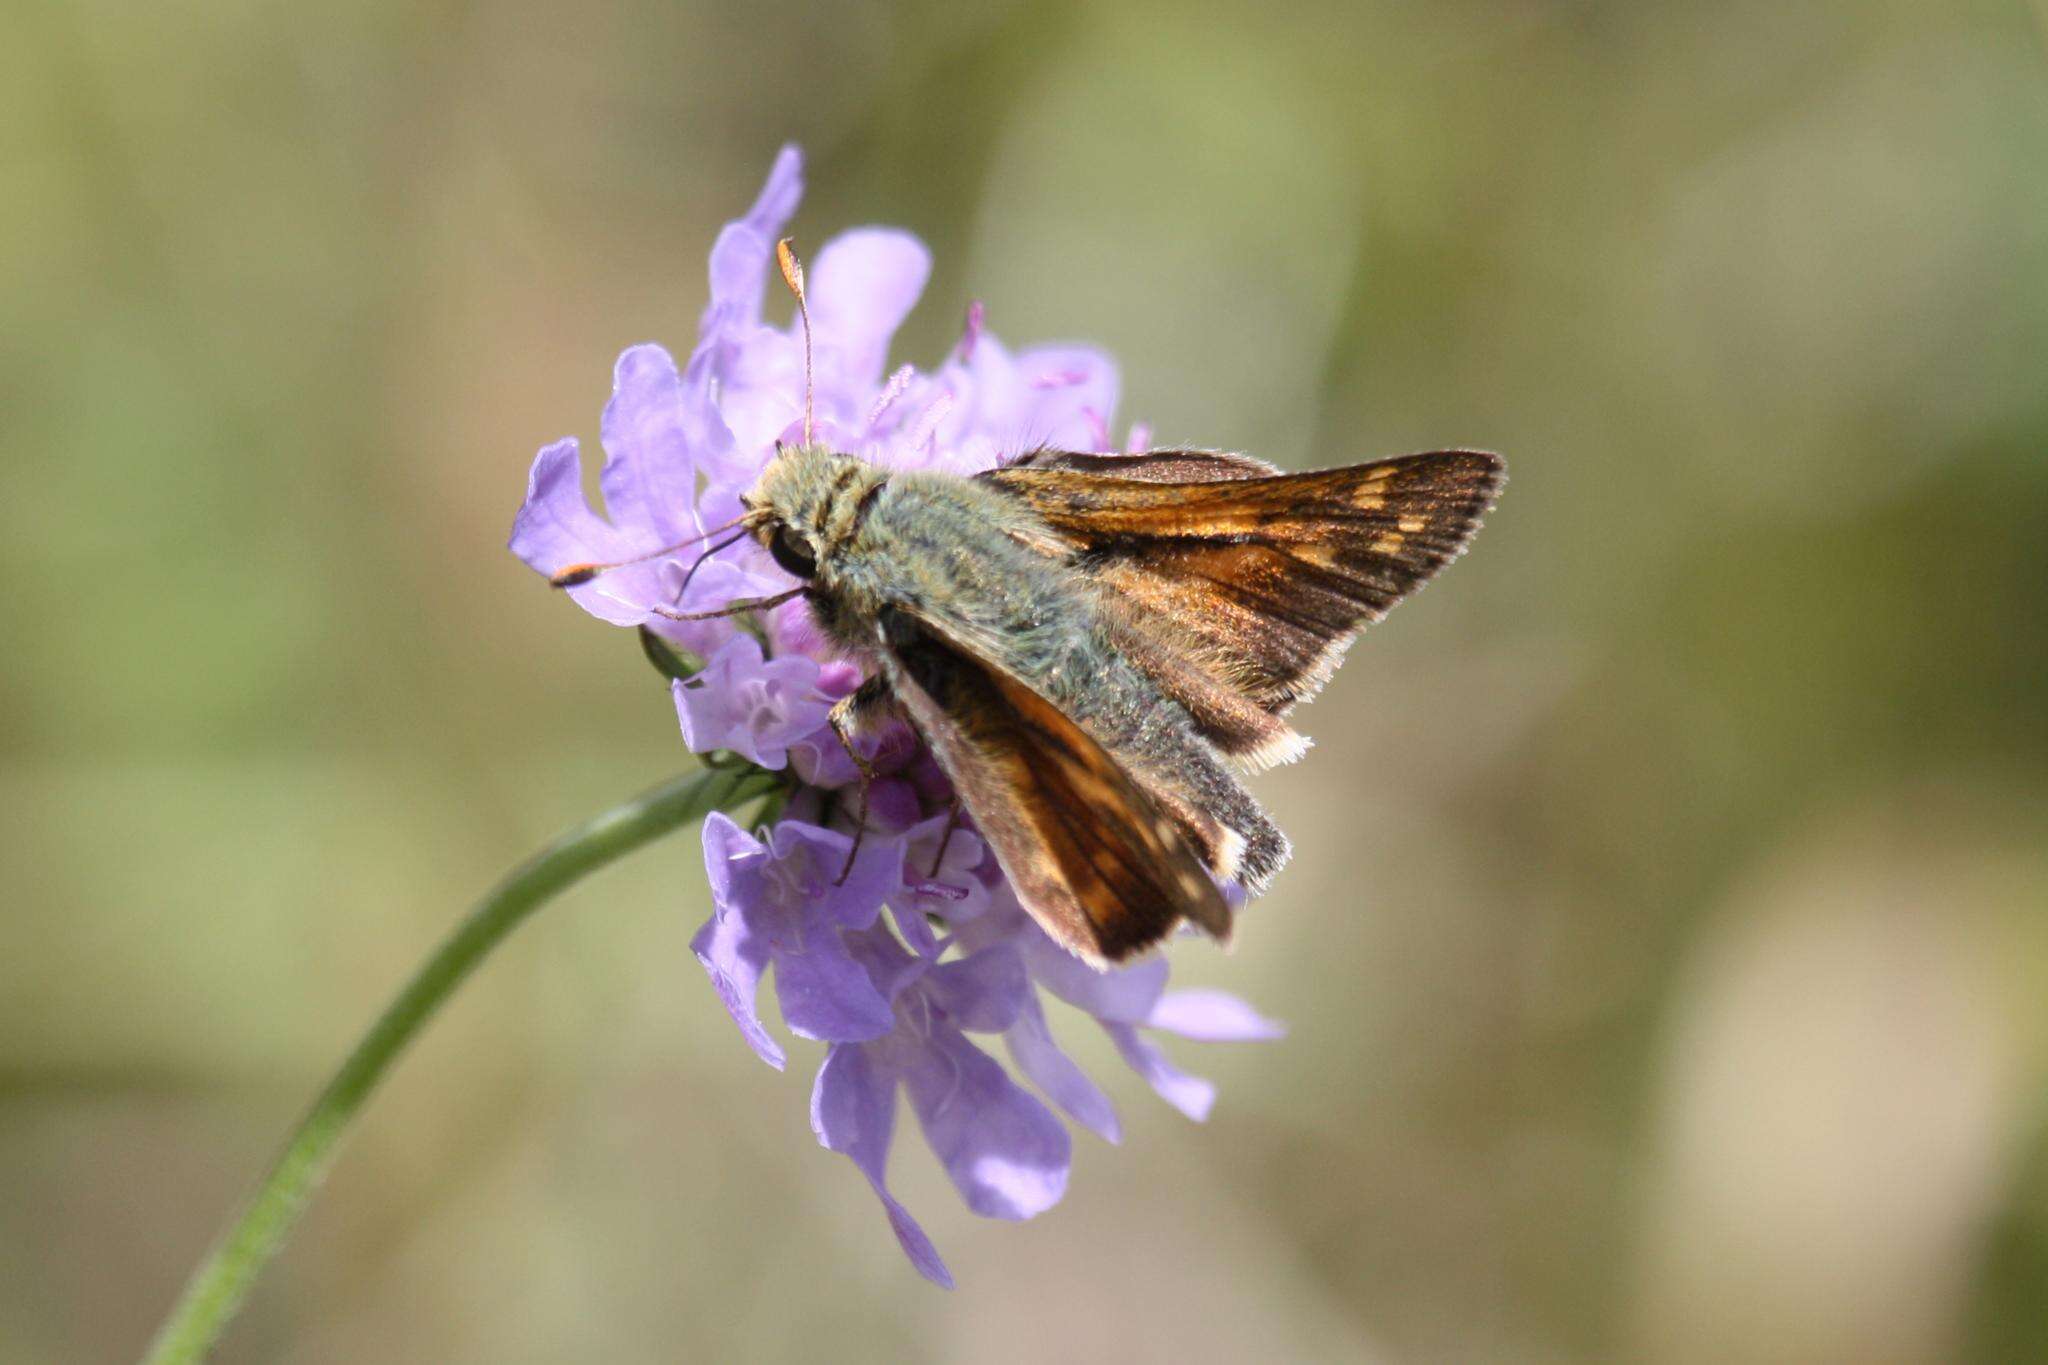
<point>1265,577</point>
<point>1093,856</point>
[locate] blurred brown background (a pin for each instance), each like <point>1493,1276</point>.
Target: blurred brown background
<point>1665,952</point>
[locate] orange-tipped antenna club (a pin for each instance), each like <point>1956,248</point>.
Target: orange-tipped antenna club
<point>576,575</point>
<point>793,276</point>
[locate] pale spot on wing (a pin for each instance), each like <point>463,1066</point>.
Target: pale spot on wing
<point>1412,524</point>
<point>1322,554</point>
<point>1389,543</point>
<point>1229,853</point>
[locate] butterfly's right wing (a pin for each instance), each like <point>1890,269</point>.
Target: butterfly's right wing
<point>1260,578</point>
<point>1095,858</point>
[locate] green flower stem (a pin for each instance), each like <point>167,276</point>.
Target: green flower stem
<point>222,1280</point>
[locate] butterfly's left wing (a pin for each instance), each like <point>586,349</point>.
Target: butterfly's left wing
<point>1105,865</point>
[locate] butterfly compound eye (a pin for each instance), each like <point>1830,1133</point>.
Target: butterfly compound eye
<point>789,549</point>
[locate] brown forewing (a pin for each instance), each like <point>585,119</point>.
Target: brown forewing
<point>1093,857</point>
<point>1262,578</point>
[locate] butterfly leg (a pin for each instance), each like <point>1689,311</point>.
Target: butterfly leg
<point>733,608</point>
<point>845,718</point>
<point>946,837</point>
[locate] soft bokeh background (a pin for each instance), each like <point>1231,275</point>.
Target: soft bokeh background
<point>1666,948</point>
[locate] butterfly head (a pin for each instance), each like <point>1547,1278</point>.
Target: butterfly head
<point>808,504</point>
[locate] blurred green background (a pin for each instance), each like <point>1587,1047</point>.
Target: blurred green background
<point>1665,951</point>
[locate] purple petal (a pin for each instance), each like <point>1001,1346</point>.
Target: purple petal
<point>889,967</point>
<point>1191,1095</point>
<point>761,391</point>
<point>719,581</point>
<point>1121,994</point>
<point>853,1112</point>
<point>705,434</point>
<point>1074,391</point>
<point>555,526</point>
<point>984,992</point>
<point>862,286</point>
<point>827,995</point>
<point>1039,1057</point>
<point>754,706</point>
<point>911,923</point>
<point>733,953</point>
<point>734,958</point>
<point>739,259</point>
<point>964,852</point>
<point>1212,1017</point>
<point>820,760</point>
<point>649,479</point>
<point>1006,1152</point>
<point>999,404</point>
<point>817,856</point>
<point>726,845</point>
<point>781,192</point>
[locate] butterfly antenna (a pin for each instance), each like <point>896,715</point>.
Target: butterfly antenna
<point>576,575</point>
<point>684,586</point>
<point>793,276</point>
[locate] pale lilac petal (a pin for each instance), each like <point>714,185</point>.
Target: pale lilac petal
<point>1191,1095</point>
<point>853,1112</point>
<point>726,848</point>
<point>1074,392</point>
<point>1212,1017</point>
<point>862,285</point>
<point>1121,994</point>
<point>964,852</point>
<point>984,992</point>
<point>649,479</point>
<point>781,192</point>
<point>889,966</point>
<point>754,706</point>
<point>827,995</point>
<point>910,921</point>
<point>1005,1151</point>
<point>1003,922</point>
<point>705,434</point>
<point>999,404</point>
<point>555,526</point>
<point>732,948</point>
<point>733,952</point>
<point>822,761</point>
<point>761,390</point>
<point>734,958</point>
<point>718,581</point>
<point>739,259</point>
<point>1039,1057</point>
<point>818,856</point>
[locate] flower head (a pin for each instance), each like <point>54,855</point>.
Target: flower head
<point>901,955</point>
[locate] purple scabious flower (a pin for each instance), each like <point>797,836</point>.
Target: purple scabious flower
<point>920,955</point>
